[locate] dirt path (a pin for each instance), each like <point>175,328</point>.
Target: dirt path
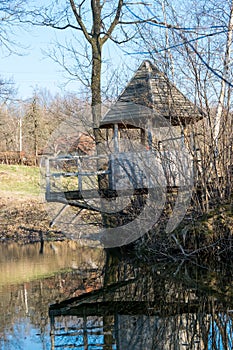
<point>24,219</point>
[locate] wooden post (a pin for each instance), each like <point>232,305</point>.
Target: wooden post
<point>115,138</point>
<point>52,332</point>
<point>182,137</point>
<point>47,176</point>
<point>143,137</point>
<point>150,141</point>
<point>79,175</point>
<point>85,333</point>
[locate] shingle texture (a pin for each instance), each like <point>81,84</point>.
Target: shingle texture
<point>150,93</point>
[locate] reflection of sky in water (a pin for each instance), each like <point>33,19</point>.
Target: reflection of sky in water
<point>24,336</point>
<point>75,332</point>
<point>24,316</point>
<point>215,337</point>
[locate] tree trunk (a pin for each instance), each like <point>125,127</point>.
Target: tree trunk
<point>96,94</point>
<point>96,112</point>
<point>223,83</point>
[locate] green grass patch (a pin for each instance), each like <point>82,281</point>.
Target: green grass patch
<point>20,180</point>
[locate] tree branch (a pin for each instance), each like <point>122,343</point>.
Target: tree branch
<point>61,28</point>
<point>139,21</point>
<point>80,22</point>
<point>123,41</point>
<point>114,22</point>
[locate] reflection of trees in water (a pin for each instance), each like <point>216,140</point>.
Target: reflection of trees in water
<point>160,307</point>
<point>186,331</point>
<point>164,306</point>
<point>30,301</point>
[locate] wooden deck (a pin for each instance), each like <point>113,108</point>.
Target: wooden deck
<point>93,194</point>
<point>71,180</point>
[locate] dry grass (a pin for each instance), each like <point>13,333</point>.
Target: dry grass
<point>23,214</point>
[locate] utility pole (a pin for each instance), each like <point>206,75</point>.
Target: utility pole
<point>20,135</point>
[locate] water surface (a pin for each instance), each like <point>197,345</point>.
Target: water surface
<point>65,295</point>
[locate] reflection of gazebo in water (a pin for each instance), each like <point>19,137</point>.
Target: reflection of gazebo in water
<point>114,317</point>
<point>153,310</point>
<point>150,116</point>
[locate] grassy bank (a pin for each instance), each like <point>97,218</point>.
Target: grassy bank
<point>24,218</point>
<point>19,180</point>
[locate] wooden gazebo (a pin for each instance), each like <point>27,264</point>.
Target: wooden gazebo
<point>150,102</point>
<point>150,99</point>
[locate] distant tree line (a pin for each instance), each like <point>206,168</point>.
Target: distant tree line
<point>26,126</point>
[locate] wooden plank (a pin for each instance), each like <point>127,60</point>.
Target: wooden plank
<point>110,308</point>
<point>78,173</point>
<point>91,194</point>
<point>75,198</point>
<point>89,296</point>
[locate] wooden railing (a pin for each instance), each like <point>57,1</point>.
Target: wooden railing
<point>72,167</point>
<point>120,172</point>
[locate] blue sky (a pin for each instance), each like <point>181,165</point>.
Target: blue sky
<point>31,69</point>
<point>34,71</point>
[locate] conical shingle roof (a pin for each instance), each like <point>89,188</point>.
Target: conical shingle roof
<point>150,93</point>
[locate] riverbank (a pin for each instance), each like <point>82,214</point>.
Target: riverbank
<point>23,214</point>
<point>25,220</point>
<point>198,237</point>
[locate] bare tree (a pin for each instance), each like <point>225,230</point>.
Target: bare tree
<point>8,129</point>
<point>10,14</point>
<point>11,11</point>
<point>225,74</point>
<point>93,23</point>
<point>198,39</point>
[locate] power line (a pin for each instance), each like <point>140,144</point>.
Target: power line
<point>209,67</point>
<point>183,28</point>
<point>178,45</point>
<point>185,41</point>
<point>166,26</point>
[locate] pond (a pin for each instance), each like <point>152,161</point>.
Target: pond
<point>66,295</point>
